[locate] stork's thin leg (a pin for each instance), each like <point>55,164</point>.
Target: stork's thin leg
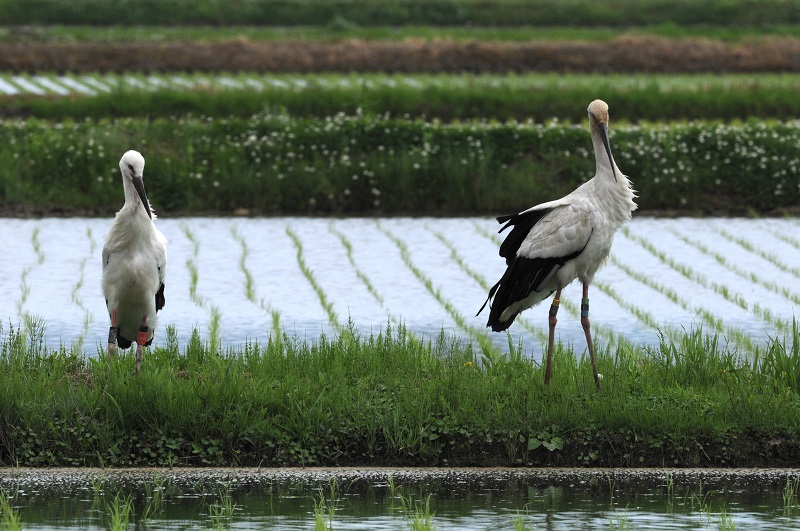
<point>140,341</point>
<point>587,330</point>
<point>551,338</point>
<point>112,335</point>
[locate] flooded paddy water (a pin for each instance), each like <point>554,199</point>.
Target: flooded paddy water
<point>736,276</point>
<point>383,498</point>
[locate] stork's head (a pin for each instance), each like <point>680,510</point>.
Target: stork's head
<point>132,167</point>
<point>598,125</point>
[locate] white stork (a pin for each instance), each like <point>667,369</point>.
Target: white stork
<point>552,244</point>
<point>134,264</point>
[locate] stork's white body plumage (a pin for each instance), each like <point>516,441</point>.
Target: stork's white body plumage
<point>134,264</point>
<point>554,243</point>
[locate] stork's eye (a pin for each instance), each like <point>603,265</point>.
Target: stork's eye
<point>130,167</point>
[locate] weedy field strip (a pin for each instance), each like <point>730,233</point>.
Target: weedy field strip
<point>75,295</point>
<point>249,286</point>
<point>484,341</point>
<point>688,272</point>
<point>601,330</point>
<point>214,331</point>
<point>363,277</point>
<point>770,285</point>
<point>309,275</point>
<point>752,248</point>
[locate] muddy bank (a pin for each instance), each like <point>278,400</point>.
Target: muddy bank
<point>623,54</point>
<point>567,477</point>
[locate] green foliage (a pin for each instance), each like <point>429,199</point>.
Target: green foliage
<point>341,28</point>
<point>391,398</point>
<point>344,13</point>
<point>277,164</point>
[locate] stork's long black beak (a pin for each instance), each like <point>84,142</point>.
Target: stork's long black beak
<point>138,183</point>
<point>603,127</point>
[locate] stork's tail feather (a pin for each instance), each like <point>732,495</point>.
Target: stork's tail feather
<point>491,294</point>
<point>123,343</point>
<point>500,326</point>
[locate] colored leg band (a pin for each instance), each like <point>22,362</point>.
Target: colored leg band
<point>585,308</point>
<point>554,307</point>
<point>112,335</point>
<point>142,335</point>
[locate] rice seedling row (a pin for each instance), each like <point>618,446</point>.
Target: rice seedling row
<point>540,96</point>
<point>706,315</point>
<point>702,280</point>
<point>753,248</point>
<point>482,338</point>
<point>309,276</point>
<point>249,288</point>
<point>770,285</point>
<point>75,296</point>
<point>197,299</point>
<point>24,286</point>
<point>363,277</point>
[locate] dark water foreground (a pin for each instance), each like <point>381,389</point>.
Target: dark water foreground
<point>386,498</point>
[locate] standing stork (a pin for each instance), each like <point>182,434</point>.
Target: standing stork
<point>552,244</point>
<point>134,264</point>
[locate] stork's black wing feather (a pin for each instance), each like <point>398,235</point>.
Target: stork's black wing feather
<point>160,300</point>
<point>522,224</point>
<point>522,277</point>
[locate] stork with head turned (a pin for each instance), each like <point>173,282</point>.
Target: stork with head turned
<point>552,244</point>
<point>134,264</point>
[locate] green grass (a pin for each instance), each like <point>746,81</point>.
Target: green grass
<point>392,399</point>
<point>10,518</point>
<point>539,96</point>
<point>277,164</point>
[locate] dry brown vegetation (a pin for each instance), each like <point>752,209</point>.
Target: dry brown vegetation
<point>624,54</point>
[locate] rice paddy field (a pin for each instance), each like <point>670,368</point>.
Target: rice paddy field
<point>327,174</point>
<point>237,281</point>
<point>528,96</point>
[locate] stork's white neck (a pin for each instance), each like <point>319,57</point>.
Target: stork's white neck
<point>611,186</point>
<point>133,203</point>
<point>603,166</point>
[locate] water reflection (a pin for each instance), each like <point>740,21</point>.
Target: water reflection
<point>386,499</point>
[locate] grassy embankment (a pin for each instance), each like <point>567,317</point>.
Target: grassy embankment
<point>276,164</point>
<point>394,399</point>
<point>538,97</point>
